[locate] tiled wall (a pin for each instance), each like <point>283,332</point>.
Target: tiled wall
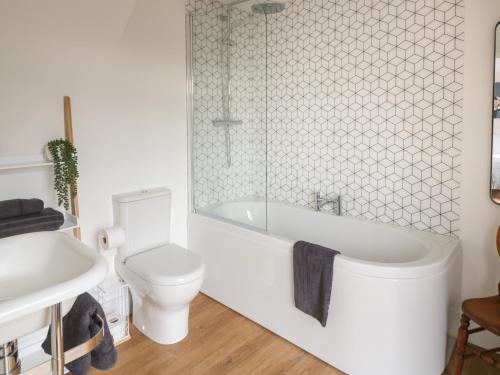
<point>364,99</point>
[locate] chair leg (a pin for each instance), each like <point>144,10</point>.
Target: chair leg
<point>463,336</point>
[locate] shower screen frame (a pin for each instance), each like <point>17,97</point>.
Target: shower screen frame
<point>189,109</point>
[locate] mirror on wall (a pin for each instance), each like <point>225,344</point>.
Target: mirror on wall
<point>495,143</point>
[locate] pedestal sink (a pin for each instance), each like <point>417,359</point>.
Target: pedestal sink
<point>39,271</point>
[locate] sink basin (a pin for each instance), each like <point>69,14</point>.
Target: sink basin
<point>38,270</point>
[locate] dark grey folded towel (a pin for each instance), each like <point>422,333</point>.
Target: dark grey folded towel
<point>20,207</point>
<point>79,325</point>
<point>312,278</point>
<point>47,219</point>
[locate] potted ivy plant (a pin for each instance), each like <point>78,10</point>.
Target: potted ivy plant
<point>64,156</point>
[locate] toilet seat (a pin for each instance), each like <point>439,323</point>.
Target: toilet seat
<point>166,265</point>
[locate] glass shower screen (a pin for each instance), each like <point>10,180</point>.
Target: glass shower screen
<point>228,129</point>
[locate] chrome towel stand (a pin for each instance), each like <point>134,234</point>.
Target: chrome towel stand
<point>59,357</point>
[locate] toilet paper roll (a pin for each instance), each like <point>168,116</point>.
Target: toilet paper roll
<point>111,238</point>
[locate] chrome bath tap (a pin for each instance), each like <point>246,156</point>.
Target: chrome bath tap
<point>335,201</point>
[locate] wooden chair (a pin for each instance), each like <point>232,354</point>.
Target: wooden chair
<point>486,313</point>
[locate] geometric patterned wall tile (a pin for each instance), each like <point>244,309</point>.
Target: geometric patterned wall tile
<point>364,99</point>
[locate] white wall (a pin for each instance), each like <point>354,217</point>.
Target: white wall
<point>123,64</point>
<point>480,217</point>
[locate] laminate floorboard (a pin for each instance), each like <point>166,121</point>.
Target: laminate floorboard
<point>223,342</point>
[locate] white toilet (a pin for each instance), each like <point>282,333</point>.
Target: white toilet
<point>163,277</point>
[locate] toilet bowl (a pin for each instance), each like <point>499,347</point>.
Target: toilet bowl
<point>163,282</point>
<point>163,278</point>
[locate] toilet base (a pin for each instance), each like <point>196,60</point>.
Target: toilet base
<point>165,327</point>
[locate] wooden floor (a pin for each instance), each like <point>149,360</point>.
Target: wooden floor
<point>221,341</point>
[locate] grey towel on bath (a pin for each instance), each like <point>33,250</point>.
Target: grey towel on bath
<point>79,325</point>
<point>312,278</point>
<point>20,207</point>
<point>47,219</point>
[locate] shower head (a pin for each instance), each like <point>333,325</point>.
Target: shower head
<point>268,8</point>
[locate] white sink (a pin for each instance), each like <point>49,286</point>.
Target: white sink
<point>38,270</point>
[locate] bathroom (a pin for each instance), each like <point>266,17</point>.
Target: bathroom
<point>252,116</point>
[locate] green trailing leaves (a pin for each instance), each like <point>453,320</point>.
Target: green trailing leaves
<point>65,160</point>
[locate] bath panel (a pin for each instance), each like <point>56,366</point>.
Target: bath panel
<point>392,287</point>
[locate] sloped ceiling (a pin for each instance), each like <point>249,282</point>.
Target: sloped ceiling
<point>89,19</point>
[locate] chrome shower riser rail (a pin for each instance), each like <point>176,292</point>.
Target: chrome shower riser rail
<point>226,124</point>
<point>55,365</point>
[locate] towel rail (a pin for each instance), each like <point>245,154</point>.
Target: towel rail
<point>71,354</point>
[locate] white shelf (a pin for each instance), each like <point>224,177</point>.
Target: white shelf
<point>23,165</point>
<point>70,222</point>
<point>37,161</point>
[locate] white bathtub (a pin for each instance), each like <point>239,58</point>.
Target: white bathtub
<point>392,288</point>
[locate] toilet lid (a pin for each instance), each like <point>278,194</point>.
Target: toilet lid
<point>167,265</point>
